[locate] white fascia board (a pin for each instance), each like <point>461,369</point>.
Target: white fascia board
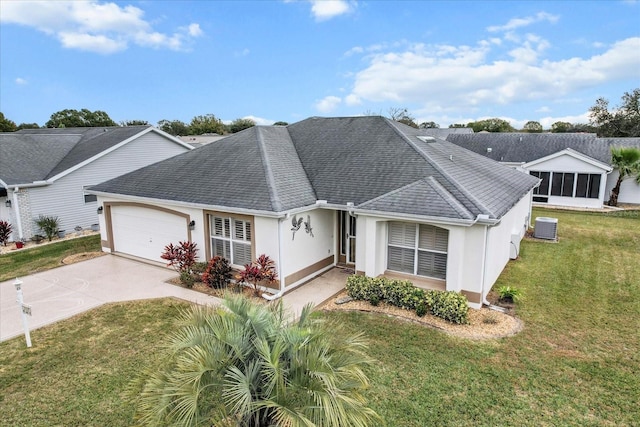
<point>171,137</point>
<point>572,153</point>
<point>416,218</point>
<point>29,184</point>
<point>154,201</point>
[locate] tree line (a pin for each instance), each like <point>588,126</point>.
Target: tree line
<point>620,121</point>
<point>199,125</point>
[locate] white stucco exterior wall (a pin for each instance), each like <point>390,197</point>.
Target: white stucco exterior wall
<point>629,189</point>
<point>302,251</point>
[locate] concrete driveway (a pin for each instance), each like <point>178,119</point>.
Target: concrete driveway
<point>66,291</point>
<point>63,292</point>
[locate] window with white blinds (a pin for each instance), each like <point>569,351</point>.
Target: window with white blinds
<point>417,249</point>
<point>231,239</point>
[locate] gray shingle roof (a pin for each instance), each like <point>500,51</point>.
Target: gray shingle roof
<point>32,155</point>
<point>377,164</point>
<point>526,147</point>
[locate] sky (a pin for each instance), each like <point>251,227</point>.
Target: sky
<point>444,61</point>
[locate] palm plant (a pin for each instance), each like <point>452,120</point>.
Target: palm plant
<point>249,364</point>
<point>627,161</point>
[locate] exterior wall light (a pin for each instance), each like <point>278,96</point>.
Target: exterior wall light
<point>8,203</point>
<point>192,225</point>
<point>100,209</point>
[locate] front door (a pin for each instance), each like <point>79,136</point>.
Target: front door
<point>348,237</point>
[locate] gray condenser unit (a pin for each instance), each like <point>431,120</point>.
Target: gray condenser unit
<point>546,228</point>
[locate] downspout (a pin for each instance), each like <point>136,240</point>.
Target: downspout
<point>271,297</point>
<point>17,212</point>
<point>484,265</point>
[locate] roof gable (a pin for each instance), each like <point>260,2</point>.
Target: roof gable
<point>571,153</point>
<point>36,155</point>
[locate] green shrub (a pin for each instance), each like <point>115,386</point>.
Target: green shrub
<point>421,309</point>
<point>49,225</point>
<point>364,288</point>
<point>450,306</point>
<point>187,279</point>
<point>402,293</point>
<point>509,293</point>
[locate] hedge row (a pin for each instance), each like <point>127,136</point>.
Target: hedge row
<point>449,305</point>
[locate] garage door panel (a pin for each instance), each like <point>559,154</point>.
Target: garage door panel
<point>144,232</point>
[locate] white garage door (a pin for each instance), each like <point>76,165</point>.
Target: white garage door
<point>144,233</point>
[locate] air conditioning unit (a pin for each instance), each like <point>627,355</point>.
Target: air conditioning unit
<point>546,228</point>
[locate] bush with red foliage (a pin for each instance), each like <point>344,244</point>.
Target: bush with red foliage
<point>5,232</point>
<point>261,272</point>
<point>181,257</point>
<point>218,273</point>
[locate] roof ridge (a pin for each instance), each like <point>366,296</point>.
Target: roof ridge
<point>270,180</point>
<point>436,166</point>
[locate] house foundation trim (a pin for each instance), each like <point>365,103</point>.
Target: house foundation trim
<point>301,274</point>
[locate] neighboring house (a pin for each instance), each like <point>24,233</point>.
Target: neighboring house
<point>46,171</point>
<point>199,140</point>
<point>575,168</point>
<point>364,192</point>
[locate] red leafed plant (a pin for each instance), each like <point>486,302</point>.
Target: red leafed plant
<point>218,273</point>
<point>262,271</point>
<point>181,257</point>
<point>5,232</point>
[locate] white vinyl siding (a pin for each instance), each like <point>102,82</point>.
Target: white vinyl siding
<point>417,249</point>
<point>65,197</point>
<point>231,239</point>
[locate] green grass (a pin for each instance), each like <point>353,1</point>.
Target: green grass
<point>576,363</point>
<point>44,257</point>
<point>76,371</point>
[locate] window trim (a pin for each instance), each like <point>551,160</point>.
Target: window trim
<point>207,218</point>
<point>416,249</point>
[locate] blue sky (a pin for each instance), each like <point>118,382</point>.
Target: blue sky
<point>445,61</point>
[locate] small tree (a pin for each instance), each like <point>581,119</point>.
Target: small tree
<point>532,127</point>
<point>262,271</point>
<point>5,232</point>
<point>218,273</point>
<point>627,161</point>
<point>49,225</point>
<point>181,257</point>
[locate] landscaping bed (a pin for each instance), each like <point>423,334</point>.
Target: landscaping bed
<point>483,324</point>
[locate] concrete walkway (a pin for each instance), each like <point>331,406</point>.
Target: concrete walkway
<point>63,292</point>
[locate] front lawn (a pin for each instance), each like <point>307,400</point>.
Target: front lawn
<point>575,363</point>
<point>44,257</point>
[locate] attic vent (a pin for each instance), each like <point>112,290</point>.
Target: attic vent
<point>546,228</point>
<point>425,138</point>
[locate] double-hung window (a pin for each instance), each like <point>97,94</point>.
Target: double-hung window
<point>417,249</point>
<point>231,239</point>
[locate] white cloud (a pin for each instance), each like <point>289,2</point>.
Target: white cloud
<point>94,26</point>
<point>463,78</point>
<point>524,22</point>
<point>21,81</point>
<point>328,104</point>
<point>323,10</point>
